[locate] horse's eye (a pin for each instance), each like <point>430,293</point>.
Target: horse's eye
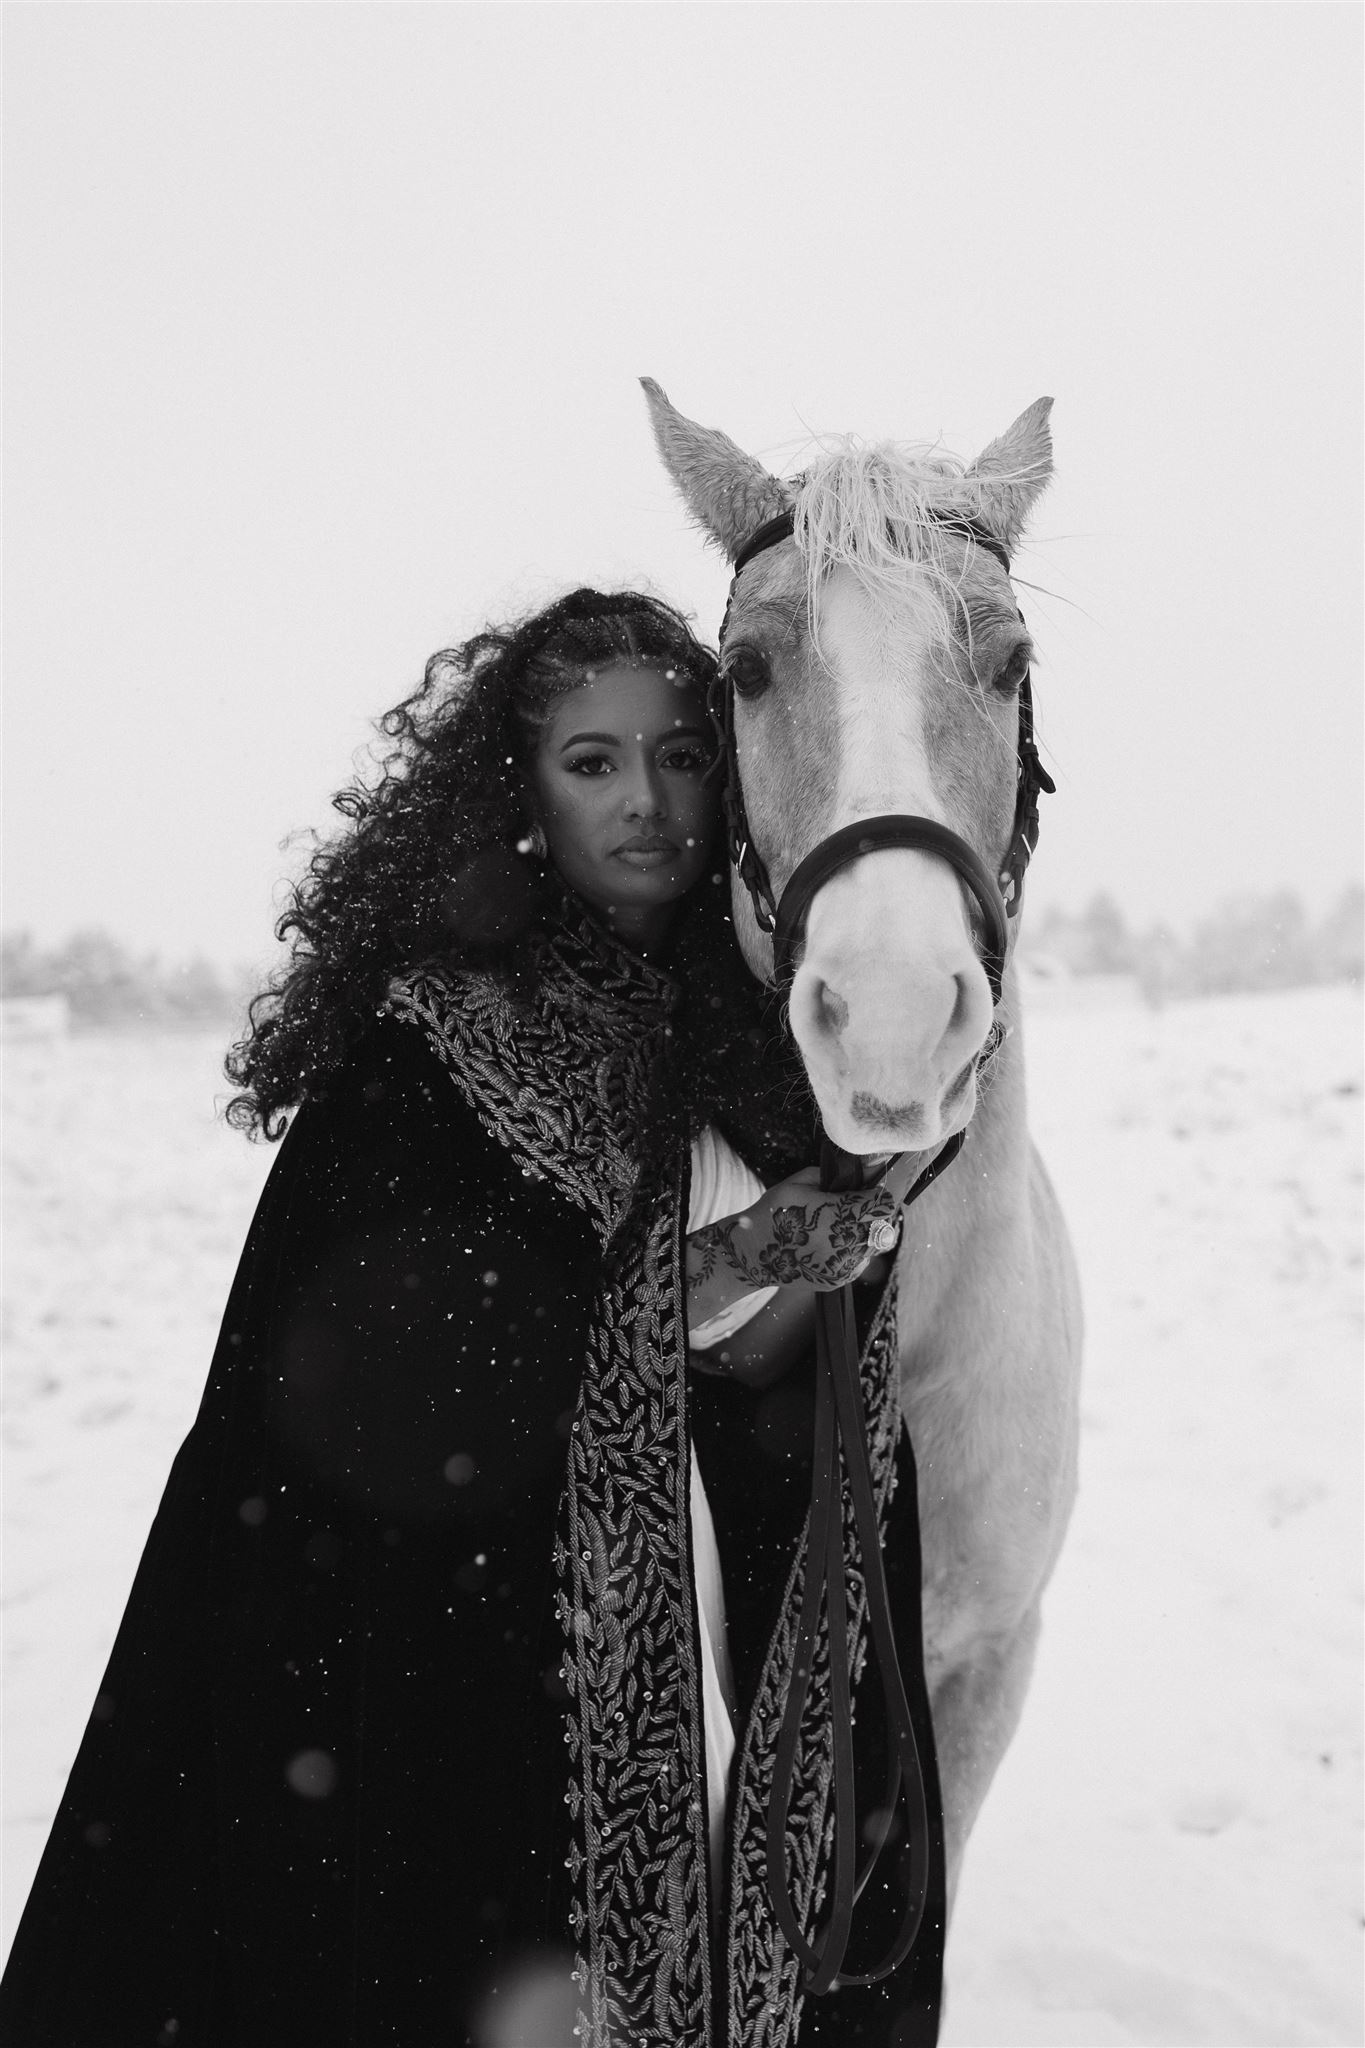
<point>747,671</point>
<point>1011,673</point>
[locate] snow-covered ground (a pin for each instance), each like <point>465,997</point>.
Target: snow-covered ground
<point>1172,1851</point>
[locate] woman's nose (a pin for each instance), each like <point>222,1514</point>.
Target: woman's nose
<point>644,797</point>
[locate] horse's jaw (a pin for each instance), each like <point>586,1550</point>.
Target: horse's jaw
<point>890,1007</point>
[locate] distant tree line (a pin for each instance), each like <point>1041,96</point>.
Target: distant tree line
<point>109,987</point>
<point>1253,942</point>
<point>1249,942</point>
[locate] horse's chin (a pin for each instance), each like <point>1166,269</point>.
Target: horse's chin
<point>863,1123</point>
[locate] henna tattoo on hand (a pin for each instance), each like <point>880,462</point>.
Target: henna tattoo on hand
<point>715,1245</point>
<point>838,1254</point>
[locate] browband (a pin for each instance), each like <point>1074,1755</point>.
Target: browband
<point>783,527</point>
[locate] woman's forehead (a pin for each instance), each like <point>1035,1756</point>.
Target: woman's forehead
<point>634,695</point>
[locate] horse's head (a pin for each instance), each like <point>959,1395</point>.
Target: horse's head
<point>875,660</point>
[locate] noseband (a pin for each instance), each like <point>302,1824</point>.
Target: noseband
<point>840,1446</point>
<point>997,897</point>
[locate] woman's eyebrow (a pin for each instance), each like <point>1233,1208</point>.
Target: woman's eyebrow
<point>612,739</point>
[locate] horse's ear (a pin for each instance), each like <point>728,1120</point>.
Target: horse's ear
<point>1011,474</point>
<point>726,491</point>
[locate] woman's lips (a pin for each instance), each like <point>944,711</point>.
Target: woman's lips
<point>646,853</point>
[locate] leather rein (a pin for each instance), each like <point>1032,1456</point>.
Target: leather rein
<point>840,1432</point>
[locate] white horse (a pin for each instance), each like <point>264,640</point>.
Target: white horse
<point>875,658</point>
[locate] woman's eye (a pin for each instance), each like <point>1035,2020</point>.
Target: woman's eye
<point>686,758</point>
<point>589,764</point>
<point>747,671</point>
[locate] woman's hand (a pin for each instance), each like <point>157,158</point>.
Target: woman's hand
<point>803,1240</point>
<point>795,1233</point>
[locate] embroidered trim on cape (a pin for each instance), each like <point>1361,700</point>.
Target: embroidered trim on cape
<point>564,1087</point>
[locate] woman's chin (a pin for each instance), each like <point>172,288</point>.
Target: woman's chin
<point>640,888</point>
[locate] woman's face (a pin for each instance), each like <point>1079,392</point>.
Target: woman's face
<point>617,785</point>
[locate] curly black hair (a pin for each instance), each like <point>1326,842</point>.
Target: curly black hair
<point>433,865</point>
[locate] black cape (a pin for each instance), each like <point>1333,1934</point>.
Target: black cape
<point>402,1728</point>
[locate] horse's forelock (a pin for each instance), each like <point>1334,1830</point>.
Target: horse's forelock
<point>870,508</point>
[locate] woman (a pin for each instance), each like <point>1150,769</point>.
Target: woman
<point>425,1697</point>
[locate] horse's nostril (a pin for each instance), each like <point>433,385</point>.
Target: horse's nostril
<point>833,1010</point>
<point>971,1013</point>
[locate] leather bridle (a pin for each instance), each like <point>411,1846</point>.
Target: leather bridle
<point>840,1433</point>
<point>997,896</point>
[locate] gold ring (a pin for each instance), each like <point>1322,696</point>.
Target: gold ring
<point>882,1236</point>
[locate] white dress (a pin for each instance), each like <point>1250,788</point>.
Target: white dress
<point>722,1185</point>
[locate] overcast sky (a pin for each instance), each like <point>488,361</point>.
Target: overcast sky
<point>324,325</point>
